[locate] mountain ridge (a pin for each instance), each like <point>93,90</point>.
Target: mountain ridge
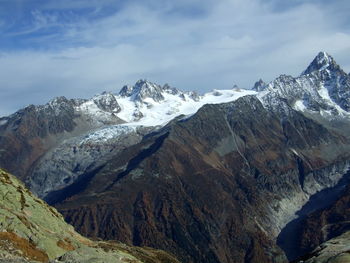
<point>260,152</point>
<point>148,93</point>
<point>229,152</point>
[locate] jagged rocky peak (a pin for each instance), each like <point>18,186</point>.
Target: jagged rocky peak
<point>141,90</point>
<point>58,101</point>
<point>259,85</point>
<point>171,90</point>
<point>284,79</point>
<point>323,87</point>
<point>107,102</point>
<point>321,62</point>
<point>194,95</point>
<point>58,105</point>
<point>126,91</point>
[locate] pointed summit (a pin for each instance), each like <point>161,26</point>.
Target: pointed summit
<point>141,90</point>
<point>259,85</point>
<point>321,62</point>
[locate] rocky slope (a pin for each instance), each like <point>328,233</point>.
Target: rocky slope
<point>32,231</point>
<point>324,224</point>
<point>336,250</point>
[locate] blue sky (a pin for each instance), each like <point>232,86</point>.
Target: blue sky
<point>78,48</point>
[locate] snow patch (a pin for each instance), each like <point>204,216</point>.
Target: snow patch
<point>299,105</point>
<point>324,94</point>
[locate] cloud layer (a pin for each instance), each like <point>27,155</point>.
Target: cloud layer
<point>80,48</point>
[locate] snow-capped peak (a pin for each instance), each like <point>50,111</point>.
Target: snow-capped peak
<point>57,101</point>
<point>323,88</point>
<point>106,102</point>
<point>141,90</point>
<point>57,105</point>
<point>321,62</point>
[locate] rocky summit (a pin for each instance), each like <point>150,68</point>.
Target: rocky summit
<point>228,176</point>
<point>32,231</point>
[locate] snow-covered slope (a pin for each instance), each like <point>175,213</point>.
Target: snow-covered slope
<point>160,112</point>
<point>148,104</point>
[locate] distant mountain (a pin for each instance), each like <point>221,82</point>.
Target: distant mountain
<point>89,132</point>
<point>210,178</point>
<point>32,231</point>
<point>323,88</point>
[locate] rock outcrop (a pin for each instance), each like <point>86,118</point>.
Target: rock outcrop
<point>336,250</point>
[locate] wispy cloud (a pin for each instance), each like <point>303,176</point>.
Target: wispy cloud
<point>78,48</point>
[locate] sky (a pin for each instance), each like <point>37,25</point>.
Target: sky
<point>78,48</point>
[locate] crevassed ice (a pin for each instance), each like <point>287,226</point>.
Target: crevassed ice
<point>108,133</point>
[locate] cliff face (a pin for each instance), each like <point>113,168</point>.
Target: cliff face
<point>216,187</point>
<point>32,231</point>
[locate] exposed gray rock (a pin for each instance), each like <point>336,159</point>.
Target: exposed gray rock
<point>78,156</point>
<point>107,102</point>
<point>170,90</point>
<point>194,95</point>
<point>336,250</point>
<point>259,85</point>
<point>126,91</point>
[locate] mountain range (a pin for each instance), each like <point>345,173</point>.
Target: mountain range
<point>227,176</point>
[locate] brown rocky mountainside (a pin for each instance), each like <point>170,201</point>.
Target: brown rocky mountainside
<point>32,231</point>
<point>216,187</point>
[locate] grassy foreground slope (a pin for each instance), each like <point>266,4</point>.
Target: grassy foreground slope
<point>32,231</point>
